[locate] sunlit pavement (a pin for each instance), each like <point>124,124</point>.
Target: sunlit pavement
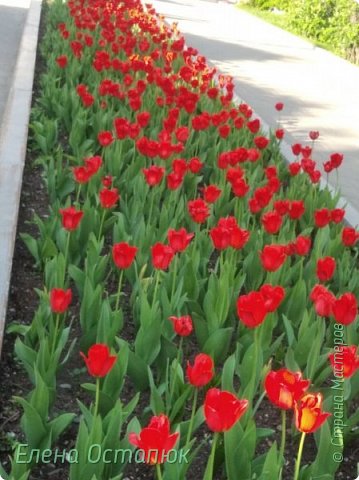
<point>320,91</point>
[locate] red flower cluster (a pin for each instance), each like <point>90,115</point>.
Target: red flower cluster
<point>253,308</point>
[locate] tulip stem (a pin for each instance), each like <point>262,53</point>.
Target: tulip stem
<point>78,194</point>
<point>101,224</point>
<point>299,457</point>
<point>173,380</point>
<point>66,255</point>
<point>209,469</point>
<point>158,470</point>
<point>190,426</point>
<point>174,277</point>
<point>156,285</point>
<point>57,324</point>
<point>152,192</point>
<point>97,398</point>
<point>284,426</point>
<point>259,401</point>
<point>119,291</point>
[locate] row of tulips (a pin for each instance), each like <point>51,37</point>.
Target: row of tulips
<point>172,216</point>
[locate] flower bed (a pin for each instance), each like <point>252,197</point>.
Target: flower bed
<point>181,260</point>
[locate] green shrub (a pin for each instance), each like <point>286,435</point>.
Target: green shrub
<point>334,23</point>
<point>269,4</point>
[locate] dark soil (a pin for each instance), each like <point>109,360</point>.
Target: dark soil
<point>13,380</point>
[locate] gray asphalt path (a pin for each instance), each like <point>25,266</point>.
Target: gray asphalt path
<point>12,20</point>
<point>320,90</point>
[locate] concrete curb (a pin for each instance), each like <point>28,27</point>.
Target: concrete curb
<point>13,143</point>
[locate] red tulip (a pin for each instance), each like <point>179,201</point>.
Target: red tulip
<point>284,387</point>
<point>294,168</point>
<point>155,440</point>
<point>297,149</point>
<point>62,61</point>
<point>313,135</point>
<point>71,218</point>
<point>325,268</point>
<point>162,255</point>
<point>195,165</point>
<point>322,217</point>
<point>123,254</point>
<point>345,309</point>
<point>308,413</point>
<point>349,236</point>
<point>273,257</point>
<point>302,245</point>
<point>337,215</point>
<point>60,299</point>
<point>279,106</point>
<point>108,197</point>
<point>273,296</point>
<point>99,361</point>
<point>323,300</point>
<point>93,164</point>
<point>81,174</point>
<point>179,239</point>
<point>222,409</point>
<point>336,159</point>
<point>153,175</point>
<point>105,138</point>
<point>183,326</point>
<point>221,237</point>
<point>296,209</point>
<point>251,309</point>
<point>202,370</point>
<point>211,193</point>
<point>345,361</point>
<point>272,222</point>
<point>198,210</point>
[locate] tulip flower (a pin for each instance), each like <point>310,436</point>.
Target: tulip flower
<point>273,257</point>
<point>179,239</point>
<point>162,256</point>
<point>325,268</point>
<point>222,410</point>
<point>99,361</point>
<point>323,300</point>
<point>202,371</point>
<point>108,197</point>
<point>153,175</point>
<point>251,309</point>
<point>71,218</point>
<point>308,418</point>
<point>349,236</point>
<point>105,138</point>
<point>302,245</point>
<point>155,441</point>
<point>271,222</point>
<point>198,210</point>
<point>273,296</point>
<point>284,387</point>
<point>183,326</point>
<point>123,255</point>
<point>211,193</point>
<point>344,361</point>
<point>60,299</point>
<point>345,309</point>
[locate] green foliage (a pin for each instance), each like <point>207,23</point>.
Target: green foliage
<point>334,24</point>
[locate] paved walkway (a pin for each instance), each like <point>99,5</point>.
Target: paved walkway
<point>320,90</point>
<point>12,20</point>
